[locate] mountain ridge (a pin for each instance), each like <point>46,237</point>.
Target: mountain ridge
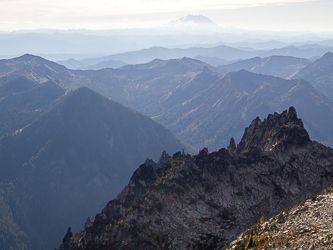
<point>220,51</point>
<point>207,200</point>
<point>319,74</point>
<point>281,66</point>
<point>202,105</point>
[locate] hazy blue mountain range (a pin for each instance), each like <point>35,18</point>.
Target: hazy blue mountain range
<point>320,74</point>
<point>187,32</point>
<point>281,66</point>
<point>72,63</point>
<point>90,65</point>
<point>65,165</point>
<point>221,51</point>
<point>277,44</point>
<point>214,61</point>
<point>206,108</point>
<point>60,43</point>
<point>200,103</point>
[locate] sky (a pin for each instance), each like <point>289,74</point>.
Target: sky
<point>273,15</point>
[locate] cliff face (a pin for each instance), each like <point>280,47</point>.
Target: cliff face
<point>207,200</point>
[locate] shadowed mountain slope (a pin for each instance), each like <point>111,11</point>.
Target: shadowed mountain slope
<point>75,157</point>
<point>205,201</point>
<point>24,100</point>
<point>320,74</point>
<point>18,85</point>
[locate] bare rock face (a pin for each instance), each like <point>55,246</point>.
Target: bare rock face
<point>308,225</point>
<point>207,200</point>
<point>283,128</point>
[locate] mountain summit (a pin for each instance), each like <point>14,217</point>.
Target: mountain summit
<point>193,20</point>
<point>207,200</point>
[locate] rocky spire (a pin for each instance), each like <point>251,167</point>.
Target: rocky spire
<point>163,159</point>
<point>284,128</point>
<point>88,221</point>
<point>232,146</point>
<point>66,240</point>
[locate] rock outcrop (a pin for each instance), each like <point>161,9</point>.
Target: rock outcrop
<point>283,128</point>
<point>207,200</point>
<point>308,225</point>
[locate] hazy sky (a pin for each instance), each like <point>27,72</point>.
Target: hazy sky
<point>311,15</point>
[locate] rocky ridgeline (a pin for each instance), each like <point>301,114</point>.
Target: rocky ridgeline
<point>283,128</point>
<point>308,225</point>
<point>207,200</point>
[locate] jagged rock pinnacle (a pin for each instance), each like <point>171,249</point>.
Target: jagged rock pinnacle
<point>284,128</point>
<point>164,158</point>
<point>232,146</point>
